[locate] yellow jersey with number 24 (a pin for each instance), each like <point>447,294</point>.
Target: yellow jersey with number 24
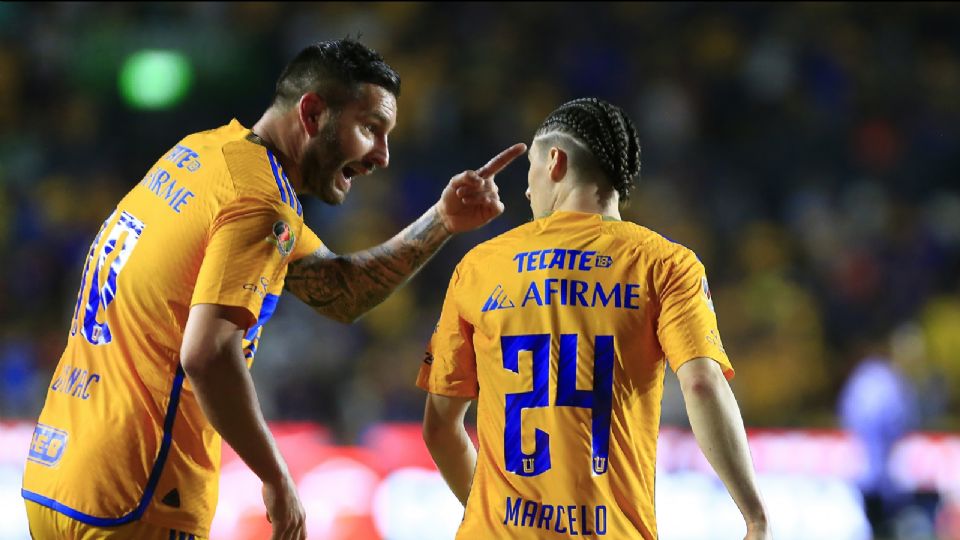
<point>561,329</point>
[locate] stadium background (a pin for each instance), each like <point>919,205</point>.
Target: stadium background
<point>809,153</point>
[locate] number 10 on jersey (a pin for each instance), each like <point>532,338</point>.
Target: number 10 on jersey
<point>94,298</point>
<point>598,400</point>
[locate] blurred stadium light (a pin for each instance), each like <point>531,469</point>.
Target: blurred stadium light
<point>155,79</point>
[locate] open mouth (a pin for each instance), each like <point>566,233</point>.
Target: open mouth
<point>357,169</point>
<point>350,171</point>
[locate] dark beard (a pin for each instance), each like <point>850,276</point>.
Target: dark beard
<point>320,164</point>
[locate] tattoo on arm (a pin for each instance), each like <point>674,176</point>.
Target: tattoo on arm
<point>344,287</point>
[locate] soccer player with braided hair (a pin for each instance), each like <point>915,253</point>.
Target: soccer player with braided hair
<point>561,329</point>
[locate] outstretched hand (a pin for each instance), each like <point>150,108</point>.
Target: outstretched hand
<point>471,198</point>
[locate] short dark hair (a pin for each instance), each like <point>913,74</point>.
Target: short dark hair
<point>606,131</point>
<point>335,70</point>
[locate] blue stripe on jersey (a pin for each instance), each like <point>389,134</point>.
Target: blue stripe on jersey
<point>154,477</point>
<point>286,183</point>
<point>252,336</point>
<point>292,193</point>
<point>266,311</point>
<point>287,193</point>
<point>296,201</point>
<point>276,174</point>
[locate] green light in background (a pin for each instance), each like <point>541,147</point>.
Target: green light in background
<point>155,79</point>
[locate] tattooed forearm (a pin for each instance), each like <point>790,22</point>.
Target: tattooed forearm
<point>344,287</point>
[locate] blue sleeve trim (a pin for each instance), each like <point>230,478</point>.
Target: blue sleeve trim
<point>152,481</point>
<point>267,308</point>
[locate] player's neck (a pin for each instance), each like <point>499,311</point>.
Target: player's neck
<point>588,200</point>
<point>278,132</point>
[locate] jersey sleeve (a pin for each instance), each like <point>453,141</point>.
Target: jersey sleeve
<point>450,365</point>
<point>308,243</point>
<point>687,325</point>
<point>247,252</point>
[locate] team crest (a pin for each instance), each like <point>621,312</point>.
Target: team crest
<point>283,238</point>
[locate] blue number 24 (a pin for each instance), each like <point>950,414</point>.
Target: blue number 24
<point>599,400</point>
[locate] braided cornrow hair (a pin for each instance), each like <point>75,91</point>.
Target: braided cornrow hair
<point>606,131</point>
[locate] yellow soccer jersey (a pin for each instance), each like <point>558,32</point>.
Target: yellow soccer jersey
<point>121,436</point>
<point>560,328</point>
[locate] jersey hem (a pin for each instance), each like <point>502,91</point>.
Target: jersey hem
<point>152,480</point>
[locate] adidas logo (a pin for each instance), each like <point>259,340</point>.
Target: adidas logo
<point>498,300</point>
<point>172,498</point>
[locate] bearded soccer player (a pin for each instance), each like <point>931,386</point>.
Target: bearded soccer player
<point>561,330</point>
<point>179,283</point>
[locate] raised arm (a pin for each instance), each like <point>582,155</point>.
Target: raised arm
<point>718,428</point>
<point>344,287</point>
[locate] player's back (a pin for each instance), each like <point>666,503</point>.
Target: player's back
<point>566,320</point>
<point>121,436</point>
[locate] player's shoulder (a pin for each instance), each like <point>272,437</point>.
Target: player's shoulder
<point>252,169</point>
<point>486,253</point>
<point>209,144</point>
<point>654,244</point>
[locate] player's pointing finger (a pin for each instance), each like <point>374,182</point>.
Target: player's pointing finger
<point>501,160</point>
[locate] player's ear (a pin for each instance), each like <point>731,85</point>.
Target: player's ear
<point>557,163</point>
<point>313,112</point>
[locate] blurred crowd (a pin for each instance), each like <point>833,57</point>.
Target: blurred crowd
<point>809,153</point>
